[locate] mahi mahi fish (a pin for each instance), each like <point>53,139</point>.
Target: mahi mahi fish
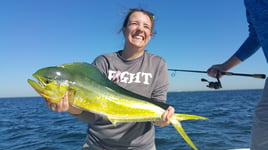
<point>92,91</point>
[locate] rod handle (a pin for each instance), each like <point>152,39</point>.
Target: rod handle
<point>259,76</point>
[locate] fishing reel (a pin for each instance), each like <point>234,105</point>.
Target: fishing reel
<point>213,85</point>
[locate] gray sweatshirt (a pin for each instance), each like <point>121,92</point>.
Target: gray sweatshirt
<point>146,76</point>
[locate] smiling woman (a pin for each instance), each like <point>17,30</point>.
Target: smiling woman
<point>133,63</point>
<point>138,30</point>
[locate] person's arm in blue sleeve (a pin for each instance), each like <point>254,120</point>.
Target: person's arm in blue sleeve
<point>248,48</point>
<point>250,45</point>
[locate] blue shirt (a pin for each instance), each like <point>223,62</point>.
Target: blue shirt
<point>257,17</point>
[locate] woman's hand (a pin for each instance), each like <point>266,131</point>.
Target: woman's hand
<point>165,117</point>
<point>63,105</point>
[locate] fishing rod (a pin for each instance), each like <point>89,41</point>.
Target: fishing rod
<point>259,76</point>
<point>217,84</point>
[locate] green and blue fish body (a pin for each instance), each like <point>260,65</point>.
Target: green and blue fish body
<point>90,90</point>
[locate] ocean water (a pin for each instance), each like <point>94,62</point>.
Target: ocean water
<point>27,124</point>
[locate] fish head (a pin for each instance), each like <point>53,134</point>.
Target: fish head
<point>52,83</point>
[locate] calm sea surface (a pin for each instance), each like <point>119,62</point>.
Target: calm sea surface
<point>27,124</point>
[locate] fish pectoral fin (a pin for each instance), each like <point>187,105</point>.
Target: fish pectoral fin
<point>112,120</point>
<point>177,125</point>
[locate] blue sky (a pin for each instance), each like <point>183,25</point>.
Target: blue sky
<point>191,34</point>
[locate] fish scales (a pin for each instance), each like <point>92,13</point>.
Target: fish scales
<point>91,91</point>
<point>117,106</point>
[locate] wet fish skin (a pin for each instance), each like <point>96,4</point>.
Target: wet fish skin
<point>90,90</point>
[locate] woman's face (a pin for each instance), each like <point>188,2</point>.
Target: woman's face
<point>139,30</point>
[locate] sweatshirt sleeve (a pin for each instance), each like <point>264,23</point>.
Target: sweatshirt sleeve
<point>162,82</point>
<point>87,117</point>
<point>250,45</point>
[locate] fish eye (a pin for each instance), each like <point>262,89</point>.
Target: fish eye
<point>47,81</point>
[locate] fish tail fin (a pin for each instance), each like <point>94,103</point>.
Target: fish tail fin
<point>175,121</point>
